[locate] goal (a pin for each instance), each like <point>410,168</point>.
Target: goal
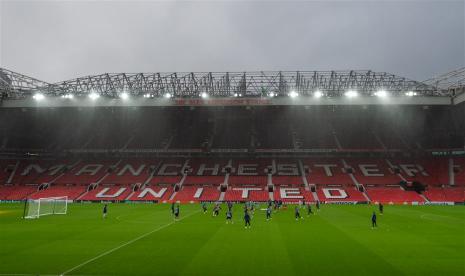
<point>35,208</point>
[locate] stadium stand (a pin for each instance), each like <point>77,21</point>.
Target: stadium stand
<point>158,193</point>
<point>187,193</point>
<point>107,192</point>
<point>86,172</point>
<point>203,180</point>
<point>36,172</point>
<point>225,134</point>
<point>372,171</point>
<point>247,180</point>
<point>445,194</point>
<point>293,195</point>
<point>130,172</point>
<point>340,194</point>
<point>308,137</point>
<point>210,194</point>
<point>71,191</point>
<point>207,153</point>
<point>7,167</point>
<point>287,181</point>
<point>393,195</point>
<point>16,192</point>
<point>252,194</point>
<point>338,128</point>
<point>326,171</point>
<point>459,171</point>
<point>200,179</point>
<point>156,180</point>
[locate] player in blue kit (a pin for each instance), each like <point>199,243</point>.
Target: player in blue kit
<point>172,208</point>
<point>297,212</point>
<point>309,209</point>
<point>204,207</point>
<point>105,210</point>
<point>229,216</point>
<point>247,219</point>
<point>216,209</point>
<point>373,220</point>
<point>176,212</point>
<point>268,212</point>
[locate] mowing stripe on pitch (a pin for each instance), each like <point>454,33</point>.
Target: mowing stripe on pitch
<point>123,245</point>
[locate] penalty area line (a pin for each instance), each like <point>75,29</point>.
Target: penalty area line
<point>123,245</point>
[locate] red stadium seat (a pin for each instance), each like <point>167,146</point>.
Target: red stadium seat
<point>393,195</point>
<point>71,191</point>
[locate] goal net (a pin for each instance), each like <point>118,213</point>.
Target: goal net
<point>36,208</point>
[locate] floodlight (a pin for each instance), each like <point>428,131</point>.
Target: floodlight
<point>351,94</point>
<point>272,94</point>
<point>318,94</point>
<point>381,93</point>
<point>236,95</point>
<point>124,96</point>
<point>38,96</point>
<point>93,96</point>
<point>167,95</point>
<point>411,93</point>
<point>293,94</point>
<point>204,95</point>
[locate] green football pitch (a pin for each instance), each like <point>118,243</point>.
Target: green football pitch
<point>143,239</point>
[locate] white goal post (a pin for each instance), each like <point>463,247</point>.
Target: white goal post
<point>35,208</point>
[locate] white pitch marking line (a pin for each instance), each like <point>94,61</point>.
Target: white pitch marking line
<point>122,245</point>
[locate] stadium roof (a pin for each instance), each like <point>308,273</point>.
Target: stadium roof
<point>163,88</point>
<point>448,81</point>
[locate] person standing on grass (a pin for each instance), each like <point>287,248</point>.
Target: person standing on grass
<point>105,210</point>
<point>297,212</point>
<point>229,216</point>
<point>373,220</point>
<point>176,212</point>
<point>247,219</point>
<point>268,212</point>
<point>204,207</point>
<point>381,208</point>
<point>172,208</point>
<point>318,205</point>
<point>309,209</point>
<point>216,210</point>
<point>252,207</point>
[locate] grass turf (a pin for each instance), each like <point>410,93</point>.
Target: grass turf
<point>142,239</point>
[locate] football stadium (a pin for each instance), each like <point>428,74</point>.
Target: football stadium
<point>254,172</point>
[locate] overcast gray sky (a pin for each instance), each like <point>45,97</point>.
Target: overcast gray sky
<point>55,40</point>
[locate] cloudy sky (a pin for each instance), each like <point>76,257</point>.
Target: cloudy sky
<point>59,40</point>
